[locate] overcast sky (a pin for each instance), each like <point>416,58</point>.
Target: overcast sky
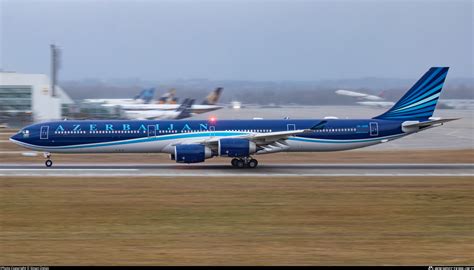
<point>241,40</point>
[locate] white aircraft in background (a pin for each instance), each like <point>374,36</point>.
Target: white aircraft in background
<point>168,97</point>
<point>209,104</point>
<point>368,100</point>
<point>144,97</point>
<point>358,95</point>
<point>181,112</point>
<point>379,101</point>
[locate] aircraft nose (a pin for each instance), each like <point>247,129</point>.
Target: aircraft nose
<point>16,138</point>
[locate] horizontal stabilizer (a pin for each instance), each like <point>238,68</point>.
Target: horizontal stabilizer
<point>413,126</point>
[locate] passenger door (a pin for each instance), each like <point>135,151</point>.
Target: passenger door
<point>212,131</point>
<point>374,128</point>
<point>151,130</point>
<point>44,132</point>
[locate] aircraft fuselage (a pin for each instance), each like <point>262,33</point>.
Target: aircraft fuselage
<point>118,136</point>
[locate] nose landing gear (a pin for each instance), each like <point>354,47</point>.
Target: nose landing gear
<point>48,161</point>
<point>244,162</point>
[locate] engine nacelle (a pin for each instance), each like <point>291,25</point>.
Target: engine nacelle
<point>191,153</point>
<point>236,147</point>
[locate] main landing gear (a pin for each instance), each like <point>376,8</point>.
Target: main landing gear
<point>48,161</point>
<point>246,162</point>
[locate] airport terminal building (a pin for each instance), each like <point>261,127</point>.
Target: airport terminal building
<point>26,98</point>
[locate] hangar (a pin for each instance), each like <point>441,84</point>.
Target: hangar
<point>28,98</point>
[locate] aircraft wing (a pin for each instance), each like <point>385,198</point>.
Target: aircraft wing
<point>273,136</point>
<point>358,95</point>
<point>382,104</point>
<point>350,93</point>
<point>373,97</point>
<point>267,142</point>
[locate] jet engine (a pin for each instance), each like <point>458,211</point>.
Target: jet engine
<point>236,147</point>
<point>191,153</point>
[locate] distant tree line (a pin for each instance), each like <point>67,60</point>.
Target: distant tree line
<point>248,92</point>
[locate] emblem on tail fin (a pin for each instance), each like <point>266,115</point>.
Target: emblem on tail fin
<point>168,97</point>
<point>213,97</point>
<point>146,95</point>
<point>420,101</point>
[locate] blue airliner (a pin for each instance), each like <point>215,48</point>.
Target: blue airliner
<point>192,141</point>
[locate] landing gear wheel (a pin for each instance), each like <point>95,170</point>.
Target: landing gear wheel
<point>234,162</point>
<point>240,163</point>
<point>48,163</point>
<point>252,163</point>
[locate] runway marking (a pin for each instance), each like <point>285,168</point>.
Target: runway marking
<point>67,169</point>
<point>250,175</point>
<point>224,170</point>
<point>289,165</point>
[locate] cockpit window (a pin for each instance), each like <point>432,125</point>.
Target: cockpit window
<point>26,133</point>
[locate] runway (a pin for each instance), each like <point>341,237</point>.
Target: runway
<point>225,170</point>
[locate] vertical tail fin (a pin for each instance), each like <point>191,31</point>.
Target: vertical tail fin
<point>420,101</point>
<point>183,105</point>
<point>213,97</point>
<point>139,94</point>
<point>185,109</point>
<point>168,97</point>
<point>148,95</point>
